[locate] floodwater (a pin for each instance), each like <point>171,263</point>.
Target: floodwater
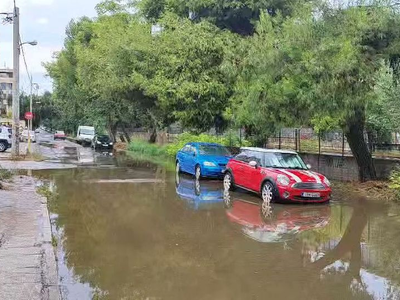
<point>143,233</point>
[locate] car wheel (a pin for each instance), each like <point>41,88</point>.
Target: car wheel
<point>227,200</point>
<point>267,195</point>
<point>228,182</point>
<point>197,172</point>
<point>3,147</point>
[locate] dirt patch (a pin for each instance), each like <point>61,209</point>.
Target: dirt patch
<point>120,146</point>
<point>374,190</point>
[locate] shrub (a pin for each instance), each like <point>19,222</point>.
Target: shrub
<point>228,140</point>
<point>395,183</point>
<point>5,174</point>
<point>142,147</point>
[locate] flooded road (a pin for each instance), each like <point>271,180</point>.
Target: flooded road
<point>143,233</point>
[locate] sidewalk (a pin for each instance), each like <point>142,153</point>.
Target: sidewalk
<point>27,261</point>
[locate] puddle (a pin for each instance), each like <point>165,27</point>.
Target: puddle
<point>142,233</point>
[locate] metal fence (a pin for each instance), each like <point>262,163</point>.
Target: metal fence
<point>332,142</point>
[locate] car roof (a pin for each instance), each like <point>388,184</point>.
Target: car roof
<point>268,150</point>
<point>204,144</point>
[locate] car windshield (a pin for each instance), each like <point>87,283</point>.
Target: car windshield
<point>285,161</point>
<point>87,131</point>
<point>104,139</point>
<point>213,150</point>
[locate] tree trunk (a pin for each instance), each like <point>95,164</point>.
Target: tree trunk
<point>126,135</point>
<point>355,137</point>
<point>153,136</point>
<point>112,131</point>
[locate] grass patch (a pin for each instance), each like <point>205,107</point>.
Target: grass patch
<point>5,174</point>
<point>45,191</point>
<point>54,241</point>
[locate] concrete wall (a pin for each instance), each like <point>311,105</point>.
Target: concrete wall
<point>346,169</point>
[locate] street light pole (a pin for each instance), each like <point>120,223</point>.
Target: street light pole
<point>15,101</point>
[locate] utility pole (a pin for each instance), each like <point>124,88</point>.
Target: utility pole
<point>15,100</point>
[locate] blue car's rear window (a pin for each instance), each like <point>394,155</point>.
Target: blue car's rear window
<point>213,150</point>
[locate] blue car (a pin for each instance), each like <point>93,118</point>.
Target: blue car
<point>202,160</point>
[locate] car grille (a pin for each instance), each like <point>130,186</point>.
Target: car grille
<point>222,165</point>
<point>309,186</point>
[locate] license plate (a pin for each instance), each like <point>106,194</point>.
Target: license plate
<point>311,195</point>
<point>105,145</point>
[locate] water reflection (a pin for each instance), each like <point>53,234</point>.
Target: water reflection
<point>140,241</point>
<point>279,223</point>
<point>198,194</point>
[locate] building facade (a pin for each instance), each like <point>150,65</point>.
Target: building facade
<point>6,86</point>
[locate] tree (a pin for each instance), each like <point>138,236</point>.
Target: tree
<point>187,77</point>
<point>233,15</point>
<point>326,66</point>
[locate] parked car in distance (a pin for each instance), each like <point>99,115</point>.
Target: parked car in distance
<point>60,135</point>
<point>24,137</point>
<point>276,175</point>
<point>42,136</point>
<point>102,142</point>
<point>85,135</point>
<point>202,160</point>
<point>5,138</point>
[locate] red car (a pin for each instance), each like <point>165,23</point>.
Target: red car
<point>60,135</point>
<point>276,175</point>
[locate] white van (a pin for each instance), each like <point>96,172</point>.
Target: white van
<point>85,135</point>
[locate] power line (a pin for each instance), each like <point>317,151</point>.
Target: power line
<point>25,63</point>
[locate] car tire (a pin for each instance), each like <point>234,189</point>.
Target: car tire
<point>227,200</point>
<point>178,167</point>
<point>197,172</point>
<point>229,184</point>
<point>268,193</point>
<point>3,146</point>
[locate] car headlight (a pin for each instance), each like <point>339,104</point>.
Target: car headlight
<point>209,164</point>
<point>283,180</point>
<point>111,144</point>
<point>327,182</point>
<point>98,142</point>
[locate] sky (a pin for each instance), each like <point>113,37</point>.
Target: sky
<point>44,21</point>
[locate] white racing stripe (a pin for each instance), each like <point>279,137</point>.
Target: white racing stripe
<point>316,177</point>
<point>293,176</point>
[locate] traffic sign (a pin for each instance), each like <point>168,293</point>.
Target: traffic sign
<point>28,116</point>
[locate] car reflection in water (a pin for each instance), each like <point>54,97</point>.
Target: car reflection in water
<point>199,195</point>
<point>275,223</point>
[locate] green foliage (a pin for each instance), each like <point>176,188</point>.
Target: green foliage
<point>142,147</point>
<point>395,183</point>
<point>185,138</point>
<point>5,174</point>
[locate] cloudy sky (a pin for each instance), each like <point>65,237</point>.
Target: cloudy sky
<point>44,21</point>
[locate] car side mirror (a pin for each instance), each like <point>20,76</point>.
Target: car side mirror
<point>308,166</point>
<point>253,164</point>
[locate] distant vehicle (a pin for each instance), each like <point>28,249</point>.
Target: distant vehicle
<point>102,142</point>
<point>202,159</point>
<point>60,135</point>
<point>25,136</point>
<point>276,175</point>
<point>42,136</point>
<point>199,195</point>
<point>5,138</point>
<point>85,135</point>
